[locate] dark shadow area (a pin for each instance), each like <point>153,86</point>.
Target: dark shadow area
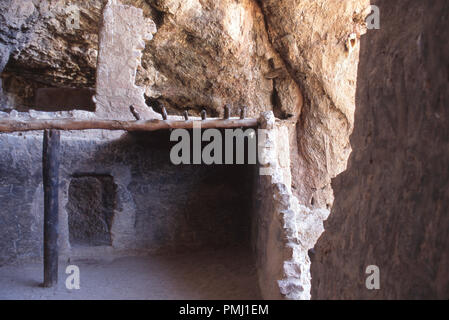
<point>64,99</point>
<point>177,207</point>
<point>391,205</point>
<point>90,209</point>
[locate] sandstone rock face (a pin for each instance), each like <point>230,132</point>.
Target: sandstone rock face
<point>46,47</point>
<point>391,205</point>
<point>311,36</point>
<point>16,20</point>
<point>206,54</point>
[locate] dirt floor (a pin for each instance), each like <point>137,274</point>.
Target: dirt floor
<point>220,274</point>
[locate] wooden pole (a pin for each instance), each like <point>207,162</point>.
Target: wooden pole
<point>10,125</point>
<point>50,166</point>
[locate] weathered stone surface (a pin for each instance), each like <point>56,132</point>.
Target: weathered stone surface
<point>310,37</point>
<point>208,53</point>
<point>45,49</point>
<point>205,54</point>
<point>391,205</point>
<point>21,198</point>
<point>283,230</point>
<point>17,19</point>
<point>90,209</point>
<point>122,38</point>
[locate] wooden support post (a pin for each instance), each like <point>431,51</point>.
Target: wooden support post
<point>50,165</point>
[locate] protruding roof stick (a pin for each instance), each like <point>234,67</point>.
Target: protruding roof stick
<point>227,111</point>
<point>203,115</point>
<point>134,112</point>
<point>164,113</point>
<point>243,113</point>
<point>186,115</point>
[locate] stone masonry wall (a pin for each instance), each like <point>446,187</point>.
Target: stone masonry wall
<point>283,230</point>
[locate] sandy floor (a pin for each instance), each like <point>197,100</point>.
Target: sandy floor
<point>222,274</point>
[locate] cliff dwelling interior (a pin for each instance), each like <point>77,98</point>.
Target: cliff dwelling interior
<point>329,136</point>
